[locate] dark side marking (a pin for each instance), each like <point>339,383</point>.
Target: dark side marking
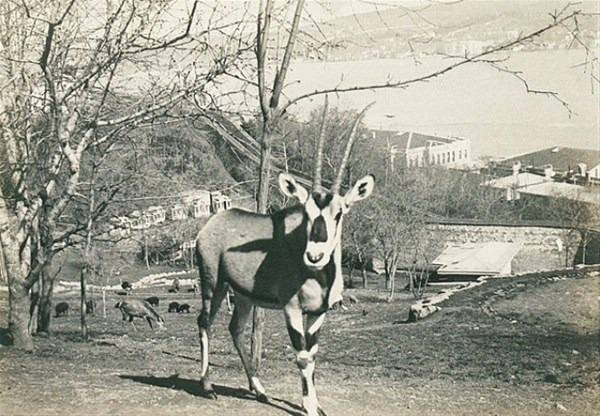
<point>322,200</point>
<point>318,233</point>
<point>304,387</point>
<point>264,299</point>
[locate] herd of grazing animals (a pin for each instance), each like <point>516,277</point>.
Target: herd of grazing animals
<point>134,308</point>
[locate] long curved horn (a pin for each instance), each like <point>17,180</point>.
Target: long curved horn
<point>338,180</point>
<point>320,143</point>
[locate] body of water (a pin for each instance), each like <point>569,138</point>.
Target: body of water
<point>478,102</point>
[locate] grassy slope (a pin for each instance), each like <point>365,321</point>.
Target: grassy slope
<point>518,358</point>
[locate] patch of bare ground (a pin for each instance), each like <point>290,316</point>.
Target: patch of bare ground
<point>523,346</point>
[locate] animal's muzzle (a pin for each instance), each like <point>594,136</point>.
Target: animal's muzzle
<point>314,258</point>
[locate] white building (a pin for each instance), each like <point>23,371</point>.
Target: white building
<point>412,149</point>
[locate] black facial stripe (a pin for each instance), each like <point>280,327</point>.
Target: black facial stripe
<point>322,200</point>
<point>318,233</point>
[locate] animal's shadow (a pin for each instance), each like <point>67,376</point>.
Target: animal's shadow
<point>193,387</point>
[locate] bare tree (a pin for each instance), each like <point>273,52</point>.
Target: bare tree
<point>60,82</point>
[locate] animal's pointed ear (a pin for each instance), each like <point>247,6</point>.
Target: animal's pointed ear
<point>361,190</point>
<point>291,188</point>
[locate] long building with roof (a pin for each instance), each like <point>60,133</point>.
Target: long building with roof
<point>411,149</point>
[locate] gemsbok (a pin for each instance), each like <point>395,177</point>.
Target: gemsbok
<point>289,260</point>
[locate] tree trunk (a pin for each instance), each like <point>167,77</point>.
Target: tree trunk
<point>104,303</point>
<point>18,292</point>
<point>363,272</point>
<point>392,285</point>
<point>18,315</point>
<point>83,310</point>
<point>386,267</point>
<point>45,311</point>
<point>262,199</point>
<point>393,266</point>
<point>34,306</point>
<point>146,259</point>
<point>350,270</point>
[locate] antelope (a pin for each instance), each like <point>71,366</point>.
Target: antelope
<point>289,260</point>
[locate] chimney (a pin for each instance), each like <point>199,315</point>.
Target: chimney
<point>512,192</point>
<point>548,171</point>
<point>516,168</point>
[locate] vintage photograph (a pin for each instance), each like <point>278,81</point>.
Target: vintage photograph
<point>290,207</point>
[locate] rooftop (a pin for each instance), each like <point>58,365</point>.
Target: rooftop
<point>565,190</point>
<point>561,158</point>
<point>411,140</point>
<point>523,179</point>
<point>480,259</point>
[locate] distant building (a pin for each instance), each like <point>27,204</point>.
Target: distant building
<point>219,202</point>
<point>412,149</point>
<point>177,212</point>
<point>579,166</point>
<point>156,214</point>
<point>139,220</point>
<point>197,203</point>
<point>538,185</point>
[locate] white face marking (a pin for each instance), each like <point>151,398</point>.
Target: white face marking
<point>318,253</point>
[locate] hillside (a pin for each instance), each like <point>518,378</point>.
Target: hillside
<point>449,28</point>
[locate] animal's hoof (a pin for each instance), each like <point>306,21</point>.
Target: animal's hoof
<point>210,394</point>
<point>262,398</point>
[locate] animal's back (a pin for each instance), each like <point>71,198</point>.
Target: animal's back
<point>232,227</point>
<point>248,250</point>
<point>229,230</point>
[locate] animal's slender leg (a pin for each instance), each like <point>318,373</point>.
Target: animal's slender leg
<point>306,347</point>
<point>149,322</point>
<point>237,327</point>
<point>211,299</point>
<point>132,324</point>
<point>216,302</point>
<point>309,399</point>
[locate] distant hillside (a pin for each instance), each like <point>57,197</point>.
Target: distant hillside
<point>450,28</point>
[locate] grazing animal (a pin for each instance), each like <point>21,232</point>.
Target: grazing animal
<point>289,260</point>
<point>90,306</point>
<point>139,309</point>
<point>62,309</point>
<point>173,307</point>
<point>184,307</point>
<point>126,286</point>
<point>153,300</point>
